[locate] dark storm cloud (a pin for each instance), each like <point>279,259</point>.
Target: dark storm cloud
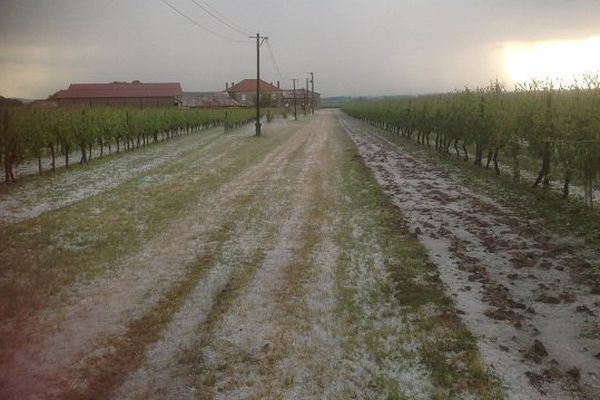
<point>355,47</point>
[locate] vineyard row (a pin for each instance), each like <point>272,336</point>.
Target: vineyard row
<point>34,134</point>
<point>558,128</point>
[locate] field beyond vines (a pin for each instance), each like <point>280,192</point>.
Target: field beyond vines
<point>320,260</point>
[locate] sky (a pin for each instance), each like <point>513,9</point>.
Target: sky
<point>355,48</point>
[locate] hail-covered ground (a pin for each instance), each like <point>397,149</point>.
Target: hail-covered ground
<point>224,266</point>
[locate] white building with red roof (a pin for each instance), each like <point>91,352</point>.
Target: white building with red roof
<point>244,93</point>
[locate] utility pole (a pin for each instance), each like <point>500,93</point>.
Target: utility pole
<point>306,98</point>
<point>259,41</point>
<point>312,82</point>
<point>295,108</point>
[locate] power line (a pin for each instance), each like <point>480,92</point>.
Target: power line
<point>199,25</point>
<point>225,17</point>
<point>274,61</point>
<point>221,18</point>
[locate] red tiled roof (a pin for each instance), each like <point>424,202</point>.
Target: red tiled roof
<point>249,85</point>
<point>104,90</point>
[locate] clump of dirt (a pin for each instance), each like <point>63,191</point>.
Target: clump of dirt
<point>574,373</point>
<point>568,298</point>
<point>585,309</point>
<point>585,273</point>
<point>565,297</point>
<point>498,296</point>
<point>477,272</point>
<point>537,352</point>
<point>522,260</point>
<point>544,298</point>
<point>443,232</point>
<point>505,314</point>
<point>442,197</point>
<point>538,381</point>
<point>472,219</point>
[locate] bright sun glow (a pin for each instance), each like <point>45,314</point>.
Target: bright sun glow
<point>555,60</point>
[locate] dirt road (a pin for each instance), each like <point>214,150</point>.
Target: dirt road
<point>234,267</point>
<point>528,298</point>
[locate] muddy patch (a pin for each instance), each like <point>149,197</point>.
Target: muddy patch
<point>518,292</point>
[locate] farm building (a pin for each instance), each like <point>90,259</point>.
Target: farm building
<point>121,94</point>
<point>208,100</point>
<point>244,93</point>
<point>303,97</point>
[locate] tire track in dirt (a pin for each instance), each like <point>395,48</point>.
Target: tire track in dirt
<point>168,369</point>
<point>312,354</point>
<point>240,350</point>
<point>521,296</point>
<point>306,362</point>
<point>113,301</point>
<point>302,355</point>
<point>383,356</point>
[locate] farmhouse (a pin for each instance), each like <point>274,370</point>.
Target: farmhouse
<point>244,93</point>
<point>121,94</point>
<point>303,97</point>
